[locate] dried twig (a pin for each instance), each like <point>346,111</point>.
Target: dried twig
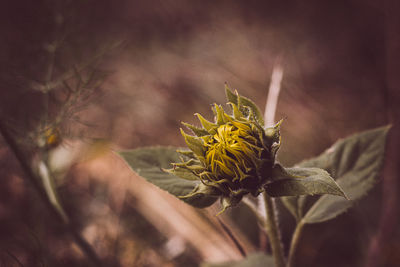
<point>34,180</point>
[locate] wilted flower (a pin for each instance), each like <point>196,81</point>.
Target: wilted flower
<point>231,156</point>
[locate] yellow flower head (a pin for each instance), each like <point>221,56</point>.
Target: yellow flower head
<point>232,151</point>
<point>231,156</point>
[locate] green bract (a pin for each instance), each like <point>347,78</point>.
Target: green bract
<point>232,156</point>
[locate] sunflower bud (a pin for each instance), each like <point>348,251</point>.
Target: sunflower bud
<point>233,155</point>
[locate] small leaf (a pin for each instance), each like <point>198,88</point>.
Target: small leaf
<point>244,101</point>
<point>209,126</point>
<point>230,95</point>
<point>301,181</point>
<point>194,143</point>
<point>253,260</point>
<point>237,114</point>
<point>148,162</point>
<point>219,114</point>
<point>199,193</point>
<point>196,130</point>
<point>356,162</point>
<point>182,173</point>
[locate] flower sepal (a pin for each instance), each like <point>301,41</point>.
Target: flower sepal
<point>200,193</point>
<point>229,202</point>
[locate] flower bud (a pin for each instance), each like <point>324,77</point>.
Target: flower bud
<point>232,156</point>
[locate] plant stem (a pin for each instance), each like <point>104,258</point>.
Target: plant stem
<point>270,110</point>
<point>294,243</point>
<point>271,227</point>
<point>232,237</point>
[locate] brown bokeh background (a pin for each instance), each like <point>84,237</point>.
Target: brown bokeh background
<point>159,62</point>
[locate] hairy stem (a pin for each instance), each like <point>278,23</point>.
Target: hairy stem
<point>271,227</point>
<point>294,243</point>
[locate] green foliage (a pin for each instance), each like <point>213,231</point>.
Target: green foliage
<point>239,101</point>
<point>253,260</point>
<point>301,181</point>
<point>149,163</point>
<point>342,174</point>
<point>355,162</point>
<point>294,204</point>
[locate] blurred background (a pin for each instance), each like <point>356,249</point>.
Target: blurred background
<point>80,79</point>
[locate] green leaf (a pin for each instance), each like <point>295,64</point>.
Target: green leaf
<point>182,173</point>
<point>196,130</point>
<point>219,114</point>
<point>356,162</point>
<point>209,126</point>
<point>294,206</point>
<point>253,260</point>
<point>194,143</point>
<point>301,181</point>
<point>244,101</point>
<point>149,163</point>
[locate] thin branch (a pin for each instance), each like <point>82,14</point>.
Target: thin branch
<point>294,243</point>
<point>47,86</point>
<point>14,258</point>
<point>232,237</point>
